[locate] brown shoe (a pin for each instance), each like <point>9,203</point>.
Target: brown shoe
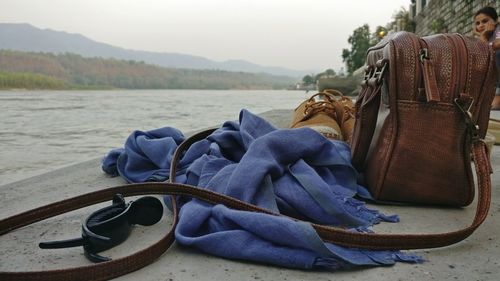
<point>345,113</point>
<point>495,105</point>
<point>318,113</point>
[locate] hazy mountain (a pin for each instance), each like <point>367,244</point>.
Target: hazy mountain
<point>36,70</point>
<point>25,37</point>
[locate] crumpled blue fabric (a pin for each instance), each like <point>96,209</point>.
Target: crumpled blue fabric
<point>296,172</point>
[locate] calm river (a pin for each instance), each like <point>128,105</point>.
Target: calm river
<point>44,130</point>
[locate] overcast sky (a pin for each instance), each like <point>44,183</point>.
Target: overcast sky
<point>296,34</point>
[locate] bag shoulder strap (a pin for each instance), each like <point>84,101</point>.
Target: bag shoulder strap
<point>383,241</point>
<point>121,266</point>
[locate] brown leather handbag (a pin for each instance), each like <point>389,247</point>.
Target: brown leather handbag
<point>425,103</point>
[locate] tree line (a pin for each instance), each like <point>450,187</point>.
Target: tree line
<point>354,58</point>
<point>71,71</point>
<point>30,81</point>
<point>362,39</point>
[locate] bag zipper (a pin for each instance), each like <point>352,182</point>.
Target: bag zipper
<point>428,74</point>
<point>418,67</point>
<point>460,55</point>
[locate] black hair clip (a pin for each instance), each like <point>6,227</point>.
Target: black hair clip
<point>110,226</point>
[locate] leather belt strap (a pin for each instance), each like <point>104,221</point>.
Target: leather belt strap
<point>121,266</point>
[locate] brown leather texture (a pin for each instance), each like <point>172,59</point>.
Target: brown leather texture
<point>413,134</point>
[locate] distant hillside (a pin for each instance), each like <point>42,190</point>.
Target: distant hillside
<point>25,37</point>
<point>63,71</point>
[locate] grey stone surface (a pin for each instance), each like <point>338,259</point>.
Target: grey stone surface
<point>476,258</point>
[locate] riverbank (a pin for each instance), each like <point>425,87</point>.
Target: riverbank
<point>475,258</point>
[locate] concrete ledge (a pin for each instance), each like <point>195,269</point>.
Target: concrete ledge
<point>476,258</point>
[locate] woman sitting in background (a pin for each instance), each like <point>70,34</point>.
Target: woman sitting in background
<point>487,29</point>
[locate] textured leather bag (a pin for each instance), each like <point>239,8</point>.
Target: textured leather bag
<point>424,105</point>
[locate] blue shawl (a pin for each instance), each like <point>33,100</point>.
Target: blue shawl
<point>296,172</point>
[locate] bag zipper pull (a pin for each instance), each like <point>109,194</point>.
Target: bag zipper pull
<point>430,83</point>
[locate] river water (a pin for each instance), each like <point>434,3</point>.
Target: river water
<point>44,130</point>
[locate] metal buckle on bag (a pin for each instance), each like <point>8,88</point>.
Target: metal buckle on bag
<point>373,75</point>
<point>423,54</point>
<point>466,112</point>
<point>110,226</point>
<point>369,70</point>
<point>380,70</point>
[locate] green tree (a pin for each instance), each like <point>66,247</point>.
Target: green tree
<point>360,42</point>
<point>308,80</point>
<point>327,73</point>
<point>402,18</point>
<point>330,72</point>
